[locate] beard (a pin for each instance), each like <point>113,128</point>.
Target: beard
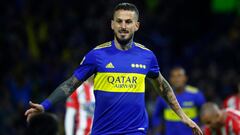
<point>123,41</point>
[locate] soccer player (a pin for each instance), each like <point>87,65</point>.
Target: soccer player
<point>43,124</point>
<point>220,122</point>
<point>79,110</point>
<point>233,101</point>
<point>120,67</point>
<point>189,98</point>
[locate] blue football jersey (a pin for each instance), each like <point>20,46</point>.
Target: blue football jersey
<point>119,87</point>
<point>190,101</point>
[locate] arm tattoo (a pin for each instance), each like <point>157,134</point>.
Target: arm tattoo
<point>167,93</point>
<point>64,90</point>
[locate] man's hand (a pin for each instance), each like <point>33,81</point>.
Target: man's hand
<point>196,129</point>
<point>60,93</point>
<point>35,109</point>
<point>166,91</point>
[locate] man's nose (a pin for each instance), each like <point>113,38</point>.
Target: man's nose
<point>123,25</point>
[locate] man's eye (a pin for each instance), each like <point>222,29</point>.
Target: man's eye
<point>129,21</point>
<point>118,21</point>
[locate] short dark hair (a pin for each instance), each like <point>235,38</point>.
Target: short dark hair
<point>178,68</point>
<point>43,124</point>
<point>126,6</point>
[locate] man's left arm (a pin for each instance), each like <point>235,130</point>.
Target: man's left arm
<point>165,90</point>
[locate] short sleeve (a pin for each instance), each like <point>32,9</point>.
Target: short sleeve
<point>154,68</point>
<point>86,68</point>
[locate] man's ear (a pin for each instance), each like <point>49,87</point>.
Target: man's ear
<point>137,25</point>
<point>112,24</point>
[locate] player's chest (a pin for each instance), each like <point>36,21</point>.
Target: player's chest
<point>122,63</point>
<point>186,101</point>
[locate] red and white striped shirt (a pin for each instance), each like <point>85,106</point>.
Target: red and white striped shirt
<point>231,127</point>
<point>232,102</point>
<point>79,110</point>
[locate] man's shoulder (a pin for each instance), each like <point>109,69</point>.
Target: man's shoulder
<point>233,112</point>
<point>192,89</point>
<point>232,97</point>
<point>142,47</point>
<point>99,49</point>
<point>103,45</point>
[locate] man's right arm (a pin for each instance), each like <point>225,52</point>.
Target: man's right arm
<point>60,93</point>
<point>86,68</point>
<point>64,90</point>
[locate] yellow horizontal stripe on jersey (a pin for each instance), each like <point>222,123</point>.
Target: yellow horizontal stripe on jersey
<point>170,115</point>
<point>119,82</point>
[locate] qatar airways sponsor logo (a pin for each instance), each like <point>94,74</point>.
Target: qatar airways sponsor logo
<point>123,81</point>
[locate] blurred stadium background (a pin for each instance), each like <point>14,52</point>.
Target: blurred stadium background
<point>43,41</point>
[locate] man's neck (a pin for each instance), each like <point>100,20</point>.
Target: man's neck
<point>123,47</point>
<point>179,90</point>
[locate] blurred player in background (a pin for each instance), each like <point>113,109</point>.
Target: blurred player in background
<point>79,110</point>
<point>233,101</point>
<point>43,124</point>
<point>165,121</point>
<point>220,122</point>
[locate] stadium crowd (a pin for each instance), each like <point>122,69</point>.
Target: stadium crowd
<point>42,42</point>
